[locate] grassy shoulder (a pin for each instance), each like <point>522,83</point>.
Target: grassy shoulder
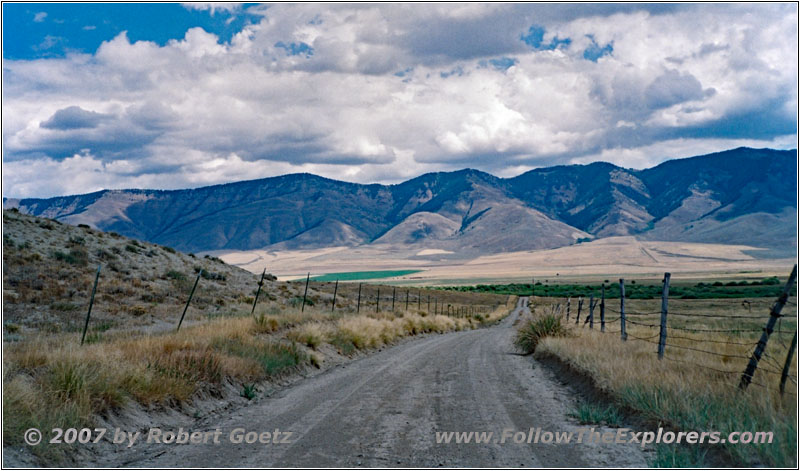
<point>687,391</point>
<point>53,382</point>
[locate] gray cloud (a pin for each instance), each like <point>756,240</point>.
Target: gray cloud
<point>74,117</point>
<point>671,88</point>
<point>196,111</point>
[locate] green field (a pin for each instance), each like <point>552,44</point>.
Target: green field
<point>768,287</point>
<point>363,275</point>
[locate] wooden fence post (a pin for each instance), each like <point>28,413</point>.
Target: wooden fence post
<point>603,308</point>
<point>358,303</point>
<point>592,304</point>
<point>189,300</point>
<point>580,305</point>
<point>662,335</point>
<point>378,300</point>
<point>91,303</point>
<point>568,301</point>
<point>394,291</point>
<point>785,373</point>
<point>774,314</point>
<point>258,291</point>
<point>335,289</point>
<point>623,334</point>
<point>308,277</point>
<point>429,303</point>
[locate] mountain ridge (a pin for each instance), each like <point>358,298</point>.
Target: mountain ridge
<point>542,208</point>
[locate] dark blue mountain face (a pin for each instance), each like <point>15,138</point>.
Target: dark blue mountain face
<point>564,202</point>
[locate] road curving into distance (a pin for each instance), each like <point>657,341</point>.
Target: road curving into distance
<point>384,410</point>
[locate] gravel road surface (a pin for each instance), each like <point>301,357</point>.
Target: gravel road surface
<point>384,410</point>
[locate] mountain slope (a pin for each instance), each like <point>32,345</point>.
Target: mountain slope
<point>720,197</point>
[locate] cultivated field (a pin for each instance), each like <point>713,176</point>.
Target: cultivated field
<point>135,370</point>
<point>619,256</point>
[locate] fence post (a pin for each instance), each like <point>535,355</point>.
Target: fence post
<point>603,308</point>
<point>623,334</point>
<point>189,300</point>
<point>435,306</point>
<point>378,300</point>
<point>394,291</point>
<point>308,277</point>
<point>91,303</point>
<point>590,319</point>
<point>774,314</point>
<point>358,303</point>
<point>785,373</point>
<point>429,303</point>
<point>662,335</point>
<point>258,291</point>
<point>568,301</point>
<point>335,289</point>
<point>580,305</point>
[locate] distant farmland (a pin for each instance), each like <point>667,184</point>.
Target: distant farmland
<point>768,287</point>
<point>363,275</point>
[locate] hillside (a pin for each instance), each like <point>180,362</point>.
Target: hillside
<point>743,196</point>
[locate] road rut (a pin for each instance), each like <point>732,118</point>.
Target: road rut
<point>384,411</point>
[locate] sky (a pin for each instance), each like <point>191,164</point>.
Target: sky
<point>111,96</point>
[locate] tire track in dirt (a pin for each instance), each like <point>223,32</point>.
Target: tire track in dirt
<point>384,410</point>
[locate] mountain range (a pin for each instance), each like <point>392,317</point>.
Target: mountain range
<point>741,196</point>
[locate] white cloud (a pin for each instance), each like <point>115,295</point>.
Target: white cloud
<point>213,7</point>
<point>40,16</point>
<point>367,92</point>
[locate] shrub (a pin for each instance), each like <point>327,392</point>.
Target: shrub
<point>175,275</point>
<point>77,240</point>
<point>76,256</point>
<point>530,333</point>
<point>248,391</point>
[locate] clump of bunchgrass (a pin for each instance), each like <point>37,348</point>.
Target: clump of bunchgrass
<point>531,332</point>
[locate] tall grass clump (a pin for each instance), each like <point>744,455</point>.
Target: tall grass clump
<point>533,331</point>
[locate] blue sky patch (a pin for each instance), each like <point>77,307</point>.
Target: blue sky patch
<point>595,52</point>
<point>503,63</point>
<point>458,72</point>
<point>42,30</point>
<point>296,49</point>
<point>535,39</point>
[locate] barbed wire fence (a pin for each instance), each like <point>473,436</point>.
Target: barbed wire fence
<point>676,330</point>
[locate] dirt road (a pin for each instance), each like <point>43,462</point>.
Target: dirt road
<point>384,411</point>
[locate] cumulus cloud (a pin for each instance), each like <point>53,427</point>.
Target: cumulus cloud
<point>383,92</point>
<point>73,117</point>
<point>213,7</point>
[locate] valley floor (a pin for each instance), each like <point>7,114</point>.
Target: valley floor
<point>612,256</point>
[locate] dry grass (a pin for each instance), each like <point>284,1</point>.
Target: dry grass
<point>132,352</point>
<point>52,381</point>
<point>690,389</point>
